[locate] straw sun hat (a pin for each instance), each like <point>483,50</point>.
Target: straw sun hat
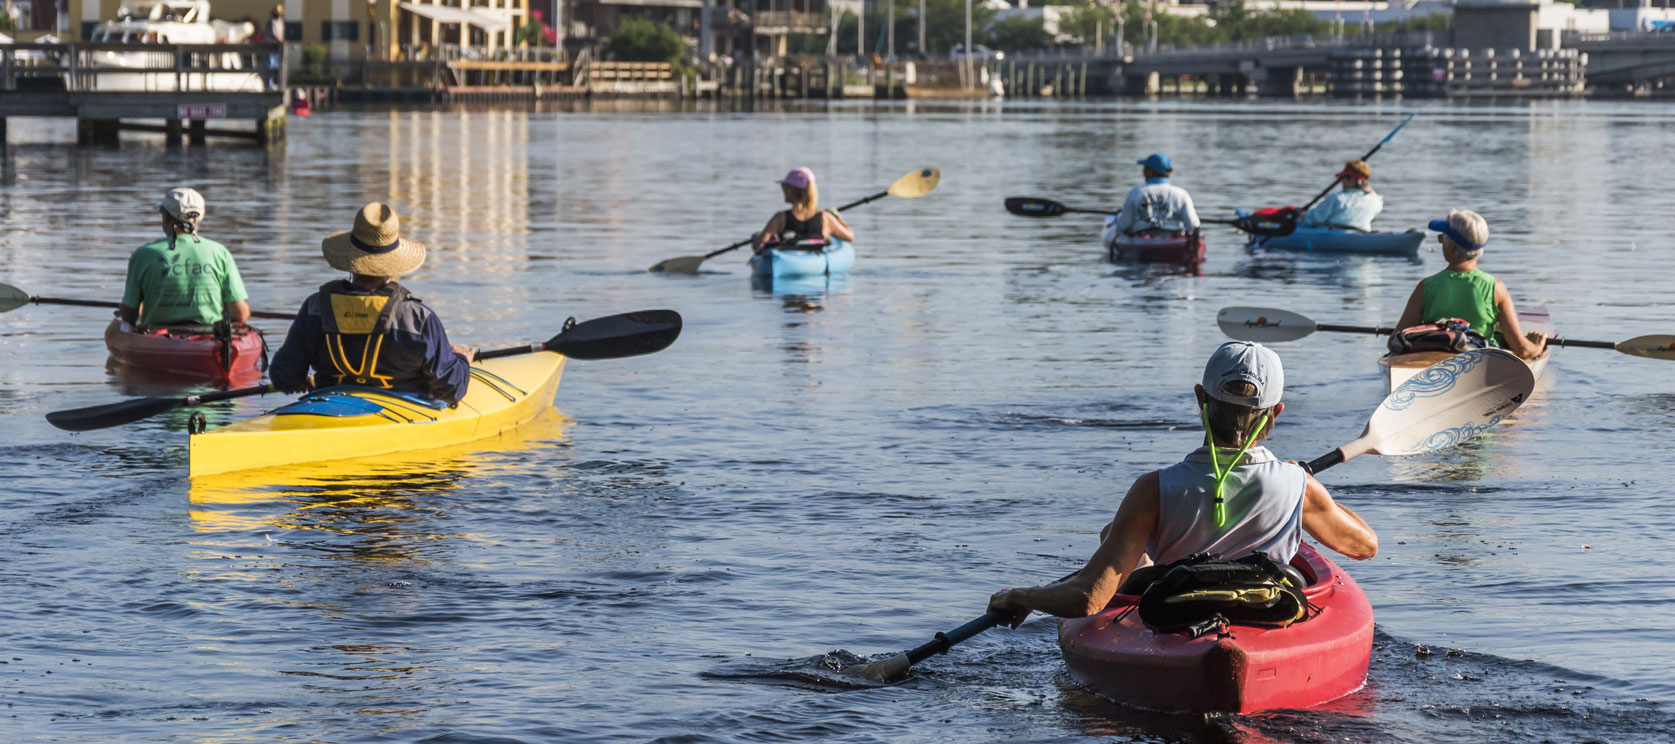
<point>375,247</point>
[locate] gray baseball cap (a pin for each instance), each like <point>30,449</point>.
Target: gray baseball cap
<point>1242,361</point>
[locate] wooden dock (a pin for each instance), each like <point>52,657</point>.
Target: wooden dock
<point>106,87</point>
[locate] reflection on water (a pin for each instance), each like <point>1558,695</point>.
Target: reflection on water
<point>379,498</point>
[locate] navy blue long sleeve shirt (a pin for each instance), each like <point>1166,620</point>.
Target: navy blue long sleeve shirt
<point>415,356</point>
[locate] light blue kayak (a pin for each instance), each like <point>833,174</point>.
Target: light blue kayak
<point>1327,240</point>
<point>806,258</point>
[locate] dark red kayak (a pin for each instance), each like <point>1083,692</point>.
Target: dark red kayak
<point>1243,670</point>
<point>195,354</point>
<point>1185,250</point>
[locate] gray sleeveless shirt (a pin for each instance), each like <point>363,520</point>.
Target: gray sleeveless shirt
<point>1264,507</point>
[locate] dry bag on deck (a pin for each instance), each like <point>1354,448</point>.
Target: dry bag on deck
<point>1202,592</point>
<point>1448,334</point>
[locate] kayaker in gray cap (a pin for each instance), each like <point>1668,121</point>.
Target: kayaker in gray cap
<point>367,330</point>
<point>1229,497</point>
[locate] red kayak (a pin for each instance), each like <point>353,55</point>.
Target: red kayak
<point>1242,670</point>
<point>188,352</point>
<point>1186,250</point>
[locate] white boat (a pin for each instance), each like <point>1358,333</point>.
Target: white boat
<point>173,22</point>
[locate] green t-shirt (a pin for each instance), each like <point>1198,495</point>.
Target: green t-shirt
<point>192,283</point>
<point>1467,295</point>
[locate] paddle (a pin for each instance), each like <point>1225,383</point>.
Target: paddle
<point>12,298</point>
<point>1449,403</point>
<point>1270,325</point>
<point>1368,156</point>
<point>910,186</point>
<point>610,337</point>
<point>1034,206</point>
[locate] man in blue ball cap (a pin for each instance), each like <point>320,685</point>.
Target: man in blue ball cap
<point>1157,208</point>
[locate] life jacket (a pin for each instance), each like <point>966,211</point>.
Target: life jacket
<point>1201,593</point>
<point>367,317</point>
<point>1447,334</point>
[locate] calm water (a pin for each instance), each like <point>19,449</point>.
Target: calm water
<point>809,469</point>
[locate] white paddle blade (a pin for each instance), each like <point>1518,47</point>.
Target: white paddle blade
<point>1651,347</point>
<point>1264,325</point>
<point>916,184</point>
<point>12,298</point>
<point>1448,402</point>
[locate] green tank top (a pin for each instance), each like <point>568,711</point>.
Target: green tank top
<point>1468,295</point>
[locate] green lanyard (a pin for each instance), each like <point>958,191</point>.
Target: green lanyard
<point>1221,475</point>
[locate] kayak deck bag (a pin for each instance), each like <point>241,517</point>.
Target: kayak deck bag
<point>1447,334</point>
<point>1202,593</point>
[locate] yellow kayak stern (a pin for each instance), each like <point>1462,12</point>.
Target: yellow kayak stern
<point>504,393</point>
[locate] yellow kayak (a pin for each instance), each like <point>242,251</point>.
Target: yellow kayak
<point>352,422</point>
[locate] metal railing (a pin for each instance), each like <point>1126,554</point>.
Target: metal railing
<point>97,67</point>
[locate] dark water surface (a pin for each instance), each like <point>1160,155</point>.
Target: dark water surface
<point>853,466</point>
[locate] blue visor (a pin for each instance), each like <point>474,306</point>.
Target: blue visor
<point>1443,227</point>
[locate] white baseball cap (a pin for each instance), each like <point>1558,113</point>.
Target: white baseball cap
<point>184,204</point>
<point>1242,361</point>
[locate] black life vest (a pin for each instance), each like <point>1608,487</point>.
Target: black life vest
<point>366,319</point>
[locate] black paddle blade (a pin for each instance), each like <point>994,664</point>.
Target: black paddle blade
<point>1027,206</point>
<point>617,336</point>
<point>111,414</point>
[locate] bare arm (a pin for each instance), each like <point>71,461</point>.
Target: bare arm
<point>1334,525</point>
<point>835,226</point>
<point>775,226</point>
<point>1410,314</point>
<point>1526,346</point>
<point>238,312</point>
<point>1092,588</point>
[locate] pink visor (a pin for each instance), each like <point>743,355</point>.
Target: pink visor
<point>798,178</point>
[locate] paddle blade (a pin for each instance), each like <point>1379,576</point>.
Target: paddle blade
<point>111,414</point>
<point>682,265</point>
<point>1447,403</point>
<point>1029,206</point>
<point>1652,347</point>
<point>617,336</point>
<point>1264,325</point>
<point>916,184</point>
<point>12,298</point>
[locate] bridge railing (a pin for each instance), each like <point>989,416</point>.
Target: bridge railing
<point>1571,38</point>
<point>1392,39</point>
<point>94,67</point>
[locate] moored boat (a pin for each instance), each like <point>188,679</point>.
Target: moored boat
<point>351,421</point>
<point>1329,240</point>
<point>1241,670</point>
<point>195,352</point>
<point>1399,368</point>
<point>805,258</point>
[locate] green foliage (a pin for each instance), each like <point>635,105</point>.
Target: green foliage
<point>641,40</point>
<point>530,32</point>
<point>316,67</point>
<point>1019,32</point>
<point>6,23</point>
<point>1433,22</point>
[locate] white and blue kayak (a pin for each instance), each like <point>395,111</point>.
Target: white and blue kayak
<point>805,258</point>
<point>1336,240</point>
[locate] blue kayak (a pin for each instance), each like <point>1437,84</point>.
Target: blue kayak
<point>805,258</point>
<point>1328,240</point>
